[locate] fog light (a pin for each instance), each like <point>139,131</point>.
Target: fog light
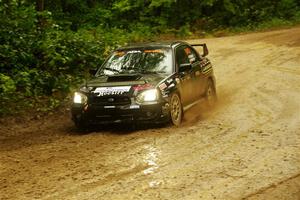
<point>148,114</point>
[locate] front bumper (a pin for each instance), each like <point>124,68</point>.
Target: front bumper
<point>95,114</point>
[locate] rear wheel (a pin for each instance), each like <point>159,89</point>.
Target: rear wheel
<point>176,111</point>
<point>210,94</point>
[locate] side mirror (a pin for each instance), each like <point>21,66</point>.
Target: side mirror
<point>205,50</point>
<point>93,71</point>
<point>185,67</point>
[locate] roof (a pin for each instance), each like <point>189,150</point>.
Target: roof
<point>161,44</point>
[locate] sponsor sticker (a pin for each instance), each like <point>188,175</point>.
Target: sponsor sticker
<point>134,107</point>
<point>162,86</point>
<point>172,85</point>
<point>109,106</point>
<point>119,53</point>
<point>191,58</point>
<point>103,91</point>
<point>169,81</point>
<point>134,51</point>
<point>153,51</point>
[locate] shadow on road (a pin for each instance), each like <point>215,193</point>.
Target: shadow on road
<point>118,129</point>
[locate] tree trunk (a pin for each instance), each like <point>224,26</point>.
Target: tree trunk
<point>91,3</point>
<point>40,5</point>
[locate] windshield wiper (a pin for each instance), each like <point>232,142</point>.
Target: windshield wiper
<point>151,72</point>
<point>101,72</point>
<point>111,69</point>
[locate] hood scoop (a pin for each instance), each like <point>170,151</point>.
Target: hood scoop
<point>124,77</point>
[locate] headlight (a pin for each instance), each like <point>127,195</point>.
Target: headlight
<point>148,96</point>
<point>79,98</point>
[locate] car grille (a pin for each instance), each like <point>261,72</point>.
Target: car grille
<point>111,100</point>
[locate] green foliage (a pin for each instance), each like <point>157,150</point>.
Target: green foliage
<point>7,85</point>
<point>184,31</point>
<point>45,54</point>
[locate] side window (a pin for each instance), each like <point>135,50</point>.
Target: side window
<point>181,56</point>
<point>185,54</point>
<point>192,55</point>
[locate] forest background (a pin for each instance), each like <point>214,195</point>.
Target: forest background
<point>48,46</point>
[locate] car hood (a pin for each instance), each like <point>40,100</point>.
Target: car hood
<point>126,80</point>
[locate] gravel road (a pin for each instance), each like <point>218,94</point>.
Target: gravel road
<point>248,147</point>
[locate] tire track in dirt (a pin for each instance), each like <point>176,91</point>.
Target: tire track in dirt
<point>272,186</point>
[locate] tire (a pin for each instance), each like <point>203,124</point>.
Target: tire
<point>176,111</point>
<point>210,94</point>
<point>81,125</point>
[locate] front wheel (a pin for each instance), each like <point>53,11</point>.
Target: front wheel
<point>176,111</point>
<point>210,95</point>
<point>81,125</point>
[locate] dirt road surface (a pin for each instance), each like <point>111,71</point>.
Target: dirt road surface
<point>248,147</point>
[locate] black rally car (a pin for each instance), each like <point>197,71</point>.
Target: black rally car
<point>151,82</point>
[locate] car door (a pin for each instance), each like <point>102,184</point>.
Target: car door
<point>198,76</point>
<point>186,80</point>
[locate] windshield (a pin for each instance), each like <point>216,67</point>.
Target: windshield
<point>157,60</point>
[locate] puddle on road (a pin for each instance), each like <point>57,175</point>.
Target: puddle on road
<point>151,158</point>
<point>154,184</point>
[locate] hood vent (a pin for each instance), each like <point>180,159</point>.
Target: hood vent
<point>125,77</point>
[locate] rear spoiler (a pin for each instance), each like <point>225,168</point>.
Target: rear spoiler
<point>205,49</point>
